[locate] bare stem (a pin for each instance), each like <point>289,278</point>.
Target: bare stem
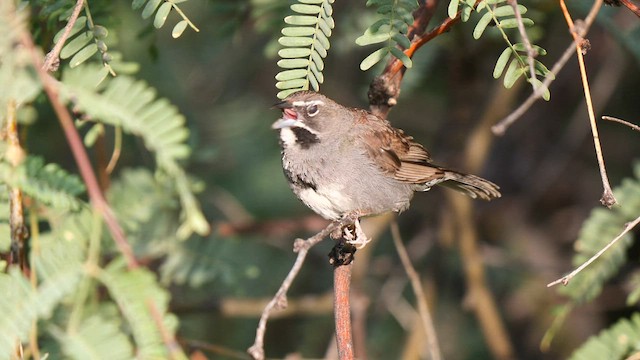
<point>565,279</point>
<point>501,127</point>
<point>632,126</point>
<point>531,52</point>
<point>416,284</point>
<point>607,198</point>
<point>279,300</point>
<point>52,59</point>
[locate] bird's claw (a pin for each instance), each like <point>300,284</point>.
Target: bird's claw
<point>356,237</point>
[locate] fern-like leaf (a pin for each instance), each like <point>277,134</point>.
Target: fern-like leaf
<point>305,42</point>
<point>391,31</point>
<point>162,8</point>
<point>96,338</point>
<point>135,292</point>
<point>133,106</point>
<point>48,184</point>
<point>501,14</point>
<point>596,232</point>
<point>617,342</point>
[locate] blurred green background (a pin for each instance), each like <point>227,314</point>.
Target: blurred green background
<point>222,80</point>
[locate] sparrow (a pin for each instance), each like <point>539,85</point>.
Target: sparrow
<point>342,161</point>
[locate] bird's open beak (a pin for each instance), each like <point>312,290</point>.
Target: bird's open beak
<point>289,116</point>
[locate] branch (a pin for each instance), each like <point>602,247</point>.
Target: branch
<point>632,126</point>
<point>531,52</point>
<point>501,127</point>
<point>385,88</point>
<point>421,299</point>
<point>279,300</point>
<point>565,279</point>
<point>342,311</point>
<point>52,59</point>
<point>607,199</point>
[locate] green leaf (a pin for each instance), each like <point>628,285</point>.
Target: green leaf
<point>325,27</point>
<point>513,73</point>
<point>179,29</point>
<point>501,63</point>
<point>291,74</point>
<point>310,1</point>
<point>83,55</point>
<point>373,58</point>
<point>150,8</point>
<point>76,44</point>
<point>323,40</point>
<point>306,9</point>
<point>452,10</point>
<point>136,4</point>
<point>100,32</point>
<point>293,63</point>
<point>290,84</point>
<point>161,15</point>
<point>313,82</point>
<point>369,38</point>
<point>298,31</point>
<point>92,135</point>
<point>521,47</point>
<point>402,40</point>
<point>284,93</point>
<point>541,69</point>
<point>546,95</point>
<point>295,41</point>
<point>294,52</point>
<point>482,25</point>
<point>317,59</point>
<point>513,23</point>
<point>406,60</point>
<point>80,24</point>
<point>304,20</point>
<point>507,10</point>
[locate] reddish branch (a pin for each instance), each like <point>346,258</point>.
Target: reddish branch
<point>342,311</point>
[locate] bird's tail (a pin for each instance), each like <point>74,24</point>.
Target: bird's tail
<point>471,185</point>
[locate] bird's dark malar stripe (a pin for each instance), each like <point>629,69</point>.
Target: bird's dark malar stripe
<point>304,137</point>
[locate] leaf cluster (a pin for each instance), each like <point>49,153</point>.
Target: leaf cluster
<point>513,62</point>
<point>390,31</point>
<point>306,42</point>
<point>597,231</point>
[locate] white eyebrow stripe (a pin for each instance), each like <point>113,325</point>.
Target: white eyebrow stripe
<point>305,103</point>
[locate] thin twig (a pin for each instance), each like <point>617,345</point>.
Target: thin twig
<point>501,127</point>
<point>342,311</point>
<point>15,155</point>
<point>421,299</point>
<point>79,153</point>
<point>173,348</point>
<point>565,279</point>
<point>607,199</point>
<point>52,59</point>
<point>531,52</point>
<point>632,126</point>
<point>631,6</point>
<point>279,300</point>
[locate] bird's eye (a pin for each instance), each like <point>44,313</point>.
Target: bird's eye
<point>312,110</point>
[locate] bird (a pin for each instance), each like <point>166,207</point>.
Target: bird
<point>347,162</point>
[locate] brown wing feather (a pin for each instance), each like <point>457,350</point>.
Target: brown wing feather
<point>407,161</point>
<point>397,153</point>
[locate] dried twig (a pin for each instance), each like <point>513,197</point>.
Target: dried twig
<point>421,299</point>
<point>279,300</point>
<point>531,52</point>
<point>632,126</point>
<point>565,279</point>
<point>52,59</point>
<point>582,45</point>
<point>501,127</point>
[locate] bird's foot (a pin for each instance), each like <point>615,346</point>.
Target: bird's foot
<point>356,237</point>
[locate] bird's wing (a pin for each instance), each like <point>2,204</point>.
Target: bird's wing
<point>397,154</point>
